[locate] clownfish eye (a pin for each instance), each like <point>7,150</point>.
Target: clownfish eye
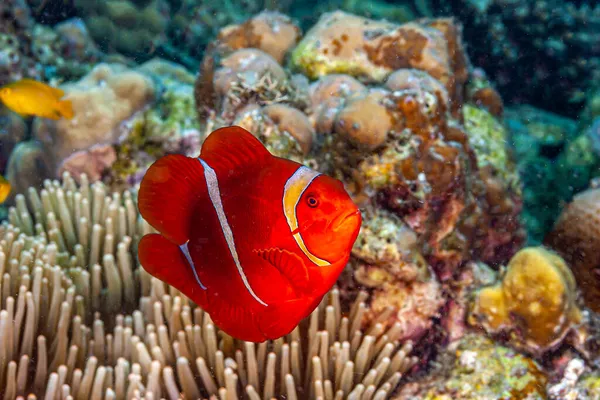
<point>312,201</point>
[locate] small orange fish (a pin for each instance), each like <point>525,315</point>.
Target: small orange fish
<point>4,189</point>
<point>31,98</point>
<point>255,240</point>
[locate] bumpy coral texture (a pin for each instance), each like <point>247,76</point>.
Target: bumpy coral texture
<point>576,236</point>
<point>535,300</point>
<point>480,369</point>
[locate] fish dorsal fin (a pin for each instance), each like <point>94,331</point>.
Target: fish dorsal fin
<point>42,86</point>
<point>232,150</point>
<point>289,264</point>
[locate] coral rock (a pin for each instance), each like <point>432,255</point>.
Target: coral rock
<point>92,162</point>
<point>365,121</point>
<point>251,63</point>
<point>413,79</point>
<point>576,236</point>
<point>477,368</point>
<point>345,43</point>
<point>271,32</point>
<point>130,27</point>
<point>372,50</point>
<point>327,97</point>
<point>294,122</point>
<point>102,101</point>
<point>29,164</point>
<point>535,301</point>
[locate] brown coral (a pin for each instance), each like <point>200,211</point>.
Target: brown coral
<point>414,79</point>
<point>251,63</point>
<point>576,236</point>
<point>345,43</point>
<point>269,31</point>
<point>294,122</point>
<point>365,121</point>
<point>327,97</point>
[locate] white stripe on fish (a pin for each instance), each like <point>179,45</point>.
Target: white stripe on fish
<point>212,183</point>
<point>186,253</point>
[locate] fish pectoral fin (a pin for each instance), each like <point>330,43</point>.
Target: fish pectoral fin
<point>289,264</point>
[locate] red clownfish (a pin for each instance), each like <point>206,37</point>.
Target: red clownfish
<point>255,240</point>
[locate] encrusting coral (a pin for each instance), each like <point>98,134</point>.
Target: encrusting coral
<point>535,301</point>
<point>69,255</point>
<point>478,368</point>
<point>403,146</point>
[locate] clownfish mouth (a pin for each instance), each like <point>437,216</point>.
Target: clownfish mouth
<point>343,219</point>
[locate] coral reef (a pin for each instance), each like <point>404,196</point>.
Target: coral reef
<point>576,236</point>
<point>395,145</point>
<point>538,52</point>
<point>480,369</point>
<point>344,43</point>
<point>36,51</point>
<point>102,101</point>
<point>394,109</point>
<point>129,27</point>
<point>75,245</point>
<point>534,301</point>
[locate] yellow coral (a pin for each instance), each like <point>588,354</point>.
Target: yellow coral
<point>536,298</point>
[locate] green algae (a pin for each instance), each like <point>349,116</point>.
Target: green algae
<point>488,137</point>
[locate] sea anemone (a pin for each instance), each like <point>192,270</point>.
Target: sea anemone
<point>79,319</point>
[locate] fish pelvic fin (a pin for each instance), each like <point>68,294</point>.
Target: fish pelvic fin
<point>289,265</point>
<point>165,261</point>
<point>65,109</point>
<point>168,194</point>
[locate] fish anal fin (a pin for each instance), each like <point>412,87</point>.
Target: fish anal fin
<point>165,261</point>
<point>235,320</point>
<point>168,193</point>
<point>289,265</point>
<point>232,149</point>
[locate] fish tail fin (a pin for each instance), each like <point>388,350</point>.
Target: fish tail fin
<point>65,108</point>
<point>165,261</point>
<point>168,193</point>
